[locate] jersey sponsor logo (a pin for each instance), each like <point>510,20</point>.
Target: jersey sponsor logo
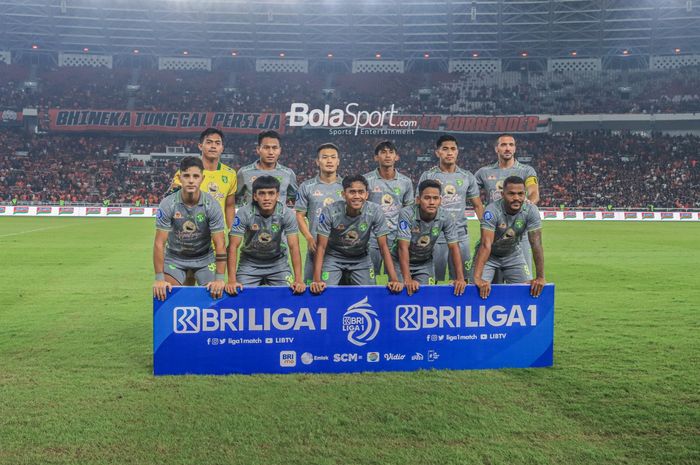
<point>502,226</point>
<point>423,241</point>
<point>403,225</point>
<point>450,189</point>
<point>212,187</point>
<point>387,200</point>
<point>377,189</point>
<point>189,227</point>
<point>317,193</point>
<point>361,323</point>
<point>236,221</point>
<point>352,236</point>
<point>488,215</point>
<point>264,237</point>
<point>322,218</point>
<point>327,201</point>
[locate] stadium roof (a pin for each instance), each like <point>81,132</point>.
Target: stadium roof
<point>353,29</point>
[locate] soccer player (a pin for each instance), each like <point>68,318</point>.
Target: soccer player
<point>490,179</point>
<point>389,189</point>
<point>342,241</point>
<point>269,149</point>
<point>420,226</point>
<point>260,227</point>
<point>314,194</point>
<point>219,180</point>
<point>458,187</point>
<point>504,223</point>
<point>187,222</point>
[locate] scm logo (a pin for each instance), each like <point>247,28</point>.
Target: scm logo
<point>346,357</point>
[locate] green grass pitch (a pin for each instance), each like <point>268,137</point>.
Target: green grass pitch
<point>76,384</point>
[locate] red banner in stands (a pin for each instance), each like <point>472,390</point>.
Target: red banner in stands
<point>473,124</point>
<point>163,121</point>
<point>10,117</point>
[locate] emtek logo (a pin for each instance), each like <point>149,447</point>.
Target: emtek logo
<point>361,323</point>
<point>186,320</point>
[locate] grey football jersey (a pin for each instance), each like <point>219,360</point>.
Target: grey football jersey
<point>249,173</point>
<point>491,177</point>
<point>348,236</point>
<point>457,189</point>
<point>263,236</point>
<point>509,229</point>
<point>390,194</point>
<point>313,195</point>
<point>190,228</point>
<point>423,235</point>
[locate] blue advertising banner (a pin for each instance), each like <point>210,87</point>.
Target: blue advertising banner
<point>351,329</point>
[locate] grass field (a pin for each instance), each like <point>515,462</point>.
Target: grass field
<point>76,384</point>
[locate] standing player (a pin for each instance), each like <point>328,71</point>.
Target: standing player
<point>187,222</point>
<point>389,189</point>
<point>219,180</point>
<point>504,223</point>
<point>313,195</point>
<point>490,178</point>
<point>420,226</point>
<point>260,226</point>
<point>342,241</point>
<point>458,187</point>
<point>268,149</point>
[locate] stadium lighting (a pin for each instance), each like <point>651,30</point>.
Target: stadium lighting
<point>136,51</point>
<point>185,52</point>
<point>85,49</point>
<point>234,53</point>
<point>35,46</point>
<point>475,55</point>
<point>426,55</point>
<point>282,55</point>
<point>677,50</point>
<point>330,55</point>
<point>625,52</point>
<point>378,56</point>
<point>523,54</point>
<point>574,53</point>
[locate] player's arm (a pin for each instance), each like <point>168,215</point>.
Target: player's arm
<point>161,286</point>
<point>318,285</point>
<point>404,263</point>
<point>305,231</point>
<point>482,257</point>
<point>394,285</point>
<point>298,287</point>
<point>537,284</point>
<point>230,209</point>
<point>533,189</point>
<point>478,207</point>
<point>216,287</point>
<point>233,286</point>
<point>459,282</point>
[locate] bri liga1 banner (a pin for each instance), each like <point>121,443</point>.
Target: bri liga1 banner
<point>351,329</point>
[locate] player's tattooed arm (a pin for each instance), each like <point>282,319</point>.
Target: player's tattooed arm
<point>537,284</point>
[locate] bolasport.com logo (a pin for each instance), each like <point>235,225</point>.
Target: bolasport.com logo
<point>350,120</point>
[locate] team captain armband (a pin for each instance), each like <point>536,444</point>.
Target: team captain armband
<point>531,181</point>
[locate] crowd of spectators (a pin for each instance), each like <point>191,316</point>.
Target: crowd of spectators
<point>519,92</point>
<point>575,170</point>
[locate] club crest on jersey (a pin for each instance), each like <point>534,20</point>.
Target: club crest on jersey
<point>224,179</point>
<point>435,231</point>
<point>460,182</point>
<point>275,228</point>
<point>519,223</point>
<point>397,190</point>
<point>200,217</point>
<point>363,227</point>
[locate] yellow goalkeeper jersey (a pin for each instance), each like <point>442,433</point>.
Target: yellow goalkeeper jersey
<point>220,183</point>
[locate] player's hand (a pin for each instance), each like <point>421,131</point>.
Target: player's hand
<point>233,287</point>
<point>484,287</point>
<point>395,286</point>
<point>216,288</point>
<point>536,286</point>
<point>311,244</point>
<point>161,288</point>
<point>459,285</point>
<point>412,286</point>
<point>298,287</point>
<point>317,287</point>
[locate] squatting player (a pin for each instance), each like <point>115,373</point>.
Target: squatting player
<point>268,149</point>
<point>420,226</point>
<point>389,189</point>
<point>490,179</point>
<point>342,241</point>
<point>219,180</point>
<point>260,227</point>
<point>314,194</point>
<point>458,187</point>
<point>187,222</point>
<point>504,223</point>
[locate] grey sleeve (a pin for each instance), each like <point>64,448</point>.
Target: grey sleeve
<point>324,222</point>
<point>479,176</point>
<point>164,215</point>
<point>489,220</point>
<point>450,230</point>
<point>216,217</point>
<point>533,218</point>
<point>293,187</point>
<point>240,177</point>
<point>530,173</point>
<point>473,188</point>
<point>409,197</point>
<point>404,231</point>
<point>302,201</point>
<point>379,223</point>
<point>290,224</point>
<point>423,177</point>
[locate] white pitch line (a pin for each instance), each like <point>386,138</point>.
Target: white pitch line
<point>33,230</point>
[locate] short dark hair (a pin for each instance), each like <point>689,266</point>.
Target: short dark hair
<point>271,134</point>
<point>505,134</point>
<point>513,180</point>
<point>266,182</point>
<point>446,138</point>
<point>348,180</point>
<point>210,131</point>
<point>385,144</point>
<point>327,145</point>
<point>428,183</point>
<point>188,162</point>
